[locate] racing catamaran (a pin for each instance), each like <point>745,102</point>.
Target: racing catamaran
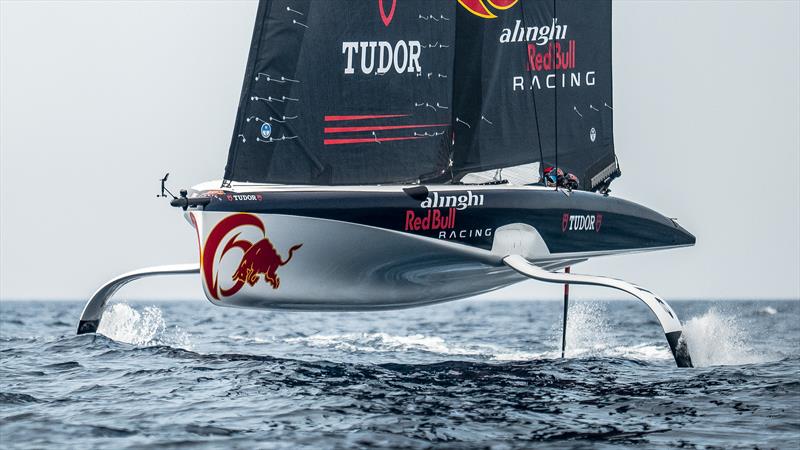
<point>391,154</point>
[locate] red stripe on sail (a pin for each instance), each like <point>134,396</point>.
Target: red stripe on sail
<point>367,140</point>
<point>374,116</point>
<point>381,127</point>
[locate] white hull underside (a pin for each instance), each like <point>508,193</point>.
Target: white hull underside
<point>343,266</point>
<point>348,267</point>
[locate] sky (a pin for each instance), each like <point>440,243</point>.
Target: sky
<point>99,99</point>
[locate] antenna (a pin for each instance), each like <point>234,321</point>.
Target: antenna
<point>164,190</point>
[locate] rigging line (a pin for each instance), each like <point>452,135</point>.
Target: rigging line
<point>535,111</point>
<point>555,101</point>
<point>454,102</point>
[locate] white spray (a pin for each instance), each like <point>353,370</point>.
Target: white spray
<point>716,339</point>
<point>122,323</point>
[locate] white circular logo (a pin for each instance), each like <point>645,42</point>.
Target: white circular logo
<point>266,130</point>
<point>592,134</point>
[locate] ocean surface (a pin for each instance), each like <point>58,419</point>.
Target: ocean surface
<point>458,375</point>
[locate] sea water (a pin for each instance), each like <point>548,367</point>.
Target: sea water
<point>459,375</point>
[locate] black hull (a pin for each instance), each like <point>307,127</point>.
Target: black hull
<point>576,223</point>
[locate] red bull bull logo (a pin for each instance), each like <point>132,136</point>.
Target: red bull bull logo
<point>260,260</point>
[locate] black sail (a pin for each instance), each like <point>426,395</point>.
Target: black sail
<point>535,83</point>
<point>346,92</point>
<point>396,91</point>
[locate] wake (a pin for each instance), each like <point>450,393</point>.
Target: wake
<point>714,338</point>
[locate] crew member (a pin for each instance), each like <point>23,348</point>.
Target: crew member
<point>556,177</point>
<point>553,177</point>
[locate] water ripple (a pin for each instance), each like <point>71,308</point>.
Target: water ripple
<point>457,375</point>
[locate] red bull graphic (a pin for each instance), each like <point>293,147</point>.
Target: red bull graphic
<point>432,220</point>
<point>260,259</point>
<point>551,58</point>
<point>555,58</point>
<point>402,56</point>
<point>479,8</point>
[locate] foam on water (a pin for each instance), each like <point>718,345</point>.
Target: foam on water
<point>123,323</point>
<point>384,342</point>
<point>589,334</point>
<point>768,310</point>
<point>507,355</point>
<point>251,339</point>
<point>717,338</point>
<point>714,338</point>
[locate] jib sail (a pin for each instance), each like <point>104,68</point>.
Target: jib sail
<point>346,92</point>
<point>397,91</point>
<point>535,83</point>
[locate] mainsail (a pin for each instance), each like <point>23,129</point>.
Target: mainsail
<point>397,91</point>
<point>346,92</point>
